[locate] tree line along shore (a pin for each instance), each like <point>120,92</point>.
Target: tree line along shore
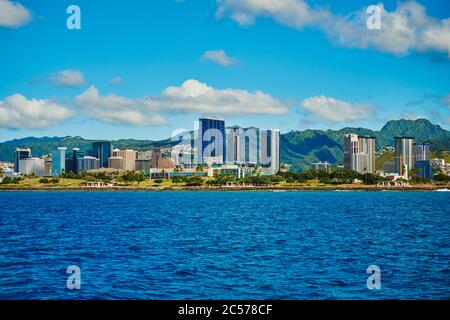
<point>340,179</point>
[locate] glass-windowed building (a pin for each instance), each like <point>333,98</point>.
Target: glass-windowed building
<point>102,150</point>
<point>367,147</point>
<point>242,145</point>
<point>422,151</point>
<point>423,169</point>
<point>87,163</point>
<point>404,156</point>
<point>72,160</point>
<point>58,162</point>
<point>20,154</point>
<point>210,141</point>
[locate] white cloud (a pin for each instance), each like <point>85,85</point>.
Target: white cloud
<point>116,109</point>
<point>220,57</point>
<point>294,13</point>
<point>13,14</point>
<point>406,29</point>
<point>336,110</point>
<point>67,78</point>
<point>116,81</point>
<point>17,112</point>
<point>195,96</point>
<point>191,97</point>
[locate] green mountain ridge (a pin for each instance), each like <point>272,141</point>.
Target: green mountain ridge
<point>298,148</point>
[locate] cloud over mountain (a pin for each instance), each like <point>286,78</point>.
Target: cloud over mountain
<point>336,110</point>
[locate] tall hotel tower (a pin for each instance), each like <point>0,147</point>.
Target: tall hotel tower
<point>367,146</point>
<point>242,145</point>
<point>359,153</point>
<point>270,150</point>
<point>404,157</point>
<point>421,151</point>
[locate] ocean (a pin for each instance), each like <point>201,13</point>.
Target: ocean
<point>224,245</point>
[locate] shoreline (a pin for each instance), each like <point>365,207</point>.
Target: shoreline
<point>365,188</point>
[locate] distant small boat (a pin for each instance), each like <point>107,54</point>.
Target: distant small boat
<point>279,190</point>
<point>443,190</point>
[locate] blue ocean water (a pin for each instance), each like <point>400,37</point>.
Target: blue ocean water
<point>224,245</point>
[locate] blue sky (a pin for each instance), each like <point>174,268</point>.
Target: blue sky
<point>269,65</point>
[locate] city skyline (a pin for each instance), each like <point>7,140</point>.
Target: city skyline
<point>209,144</point>
<point>109,83</point>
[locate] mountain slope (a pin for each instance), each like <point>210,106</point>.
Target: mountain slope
<point>316,147</point>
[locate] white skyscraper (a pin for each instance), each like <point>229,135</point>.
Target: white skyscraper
<point>269,151</point>
<point>359,153</point>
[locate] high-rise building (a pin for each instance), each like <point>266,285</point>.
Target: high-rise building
<point>32,166</point>
<point>361,163</point>
<point>102,150</point>
<point>58,162</point>
<point>422,151</point>
<point>367,146</point>
<point>129,159</point>
<point>404,156</point>
<point>156,157</point>
<point>269,150</point>
<point>87,163</point>
<point>210,141</point>
<point>351,149</point>
<point>20,154</point>
<point>72,160</point>
<point>242,145</point>
<point>359,153</point>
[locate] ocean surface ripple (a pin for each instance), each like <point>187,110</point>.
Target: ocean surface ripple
<point>224,245</point>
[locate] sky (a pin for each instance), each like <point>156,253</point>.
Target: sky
<point>143,69</point>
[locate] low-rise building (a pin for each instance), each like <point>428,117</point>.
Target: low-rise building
<point>171,173</point>
<point>438,164</point>
<point>115,162</point>
<point>88,163</point>
<point>389,166</point>
<point>230,169</point>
